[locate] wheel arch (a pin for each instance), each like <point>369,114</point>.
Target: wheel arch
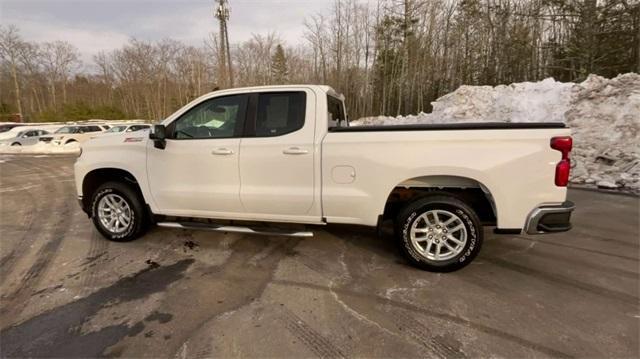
<point>95,178</point>
<point>467,189</point>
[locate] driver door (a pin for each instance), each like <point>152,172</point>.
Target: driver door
<point>197,173</point>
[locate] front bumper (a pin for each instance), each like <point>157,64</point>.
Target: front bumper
<point>550,219</point>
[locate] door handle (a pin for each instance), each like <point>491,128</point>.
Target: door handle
<point>222,152</point>
<point>295,151</point>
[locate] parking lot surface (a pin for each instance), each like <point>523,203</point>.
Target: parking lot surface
<point>66,292</point>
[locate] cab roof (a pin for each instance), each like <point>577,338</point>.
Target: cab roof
<point>323,88</point>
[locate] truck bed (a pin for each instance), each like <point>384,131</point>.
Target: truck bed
<point>514,162</point>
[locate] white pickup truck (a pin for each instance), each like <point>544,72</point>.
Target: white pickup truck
<point>241,160</point>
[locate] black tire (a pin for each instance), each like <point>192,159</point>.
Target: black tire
<point>70,141</point>
<point>409,214</point>
<point>16,144</point>
<point>139,217</point>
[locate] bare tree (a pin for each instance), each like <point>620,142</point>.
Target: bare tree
<point>60,60</point>
<point>11,48</point>
<point>387,56</point>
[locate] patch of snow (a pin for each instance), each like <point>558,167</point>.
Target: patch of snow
<point>42,148</point>
<point>604,116</point>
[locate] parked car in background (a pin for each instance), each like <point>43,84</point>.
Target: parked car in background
<point>73,134</point>
<point>126,128</point>
<point>26,137</point>
<point>4,127</point>
<point>11,133</point>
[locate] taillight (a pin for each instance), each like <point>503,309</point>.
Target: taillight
<point>563,168</point>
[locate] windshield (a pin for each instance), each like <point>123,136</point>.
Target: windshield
<point>68,129</point>
<point>117,129</point>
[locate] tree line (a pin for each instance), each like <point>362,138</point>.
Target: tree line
<point>388,57</point>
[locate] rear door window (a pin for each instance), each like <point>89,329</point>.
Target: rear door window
<point>280,113</point>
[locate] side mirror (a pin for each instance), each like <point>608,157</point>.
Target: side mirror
<point>159,135</point>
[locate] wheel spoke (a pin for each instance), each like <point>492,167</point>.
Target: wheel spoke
<point>454,239</point>
<point>437,252</point>
<point>456,228</point>
<point>449,221</point>
<point>435,217</point>
<point>452,249</point>
<point>428,248</point>
<point>111,202</point>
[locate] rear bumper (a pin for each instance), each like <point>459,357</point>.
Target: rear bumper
<point>550,219</point>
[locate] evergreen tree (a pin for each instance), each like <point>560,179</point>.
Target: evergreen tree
<point>279,70</point>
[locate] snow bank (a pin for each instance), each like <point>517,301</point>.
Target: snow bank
<point>604,115</point>
<point>42,148</point>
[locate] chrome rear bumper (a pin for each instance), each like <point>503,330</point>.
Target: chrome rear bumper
<point>550,219</point>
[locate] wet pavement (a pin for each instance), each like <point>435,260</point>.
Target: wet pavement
<point>66,292</point>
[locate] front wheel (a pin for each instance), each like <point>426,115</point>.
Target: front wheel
<point>118,212</point>
<point>16,144</point>
<point>439,233</point>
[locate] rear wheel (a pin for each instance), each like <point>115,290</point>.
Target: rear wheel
<point>439,233</point>
<point>118,212</point>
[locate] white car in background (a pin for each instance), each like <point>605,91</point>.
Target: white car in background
<point>26,137</point>
<point>122,128</point>
<point>74,134</point>
<point>11,133</point>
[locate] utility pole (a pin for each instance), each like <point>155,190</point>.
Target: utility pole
<point>226,66</point>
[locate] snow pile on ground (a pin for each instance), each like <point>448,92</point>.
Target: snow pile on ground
<point>604,115</point>
<point>42,148</point>
<point>605,119</point>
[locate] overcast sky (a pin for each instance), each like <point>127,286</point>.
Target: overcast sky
<point>95,25</point>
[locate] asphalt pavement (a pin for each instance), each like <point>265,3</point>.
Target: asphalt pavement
<point>67,292</point>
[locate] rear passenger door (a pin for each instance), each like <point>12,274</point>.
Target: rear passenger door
<point>277,157</point>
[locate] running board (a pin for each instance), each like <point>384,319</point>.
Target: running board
<point>235,229</point>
